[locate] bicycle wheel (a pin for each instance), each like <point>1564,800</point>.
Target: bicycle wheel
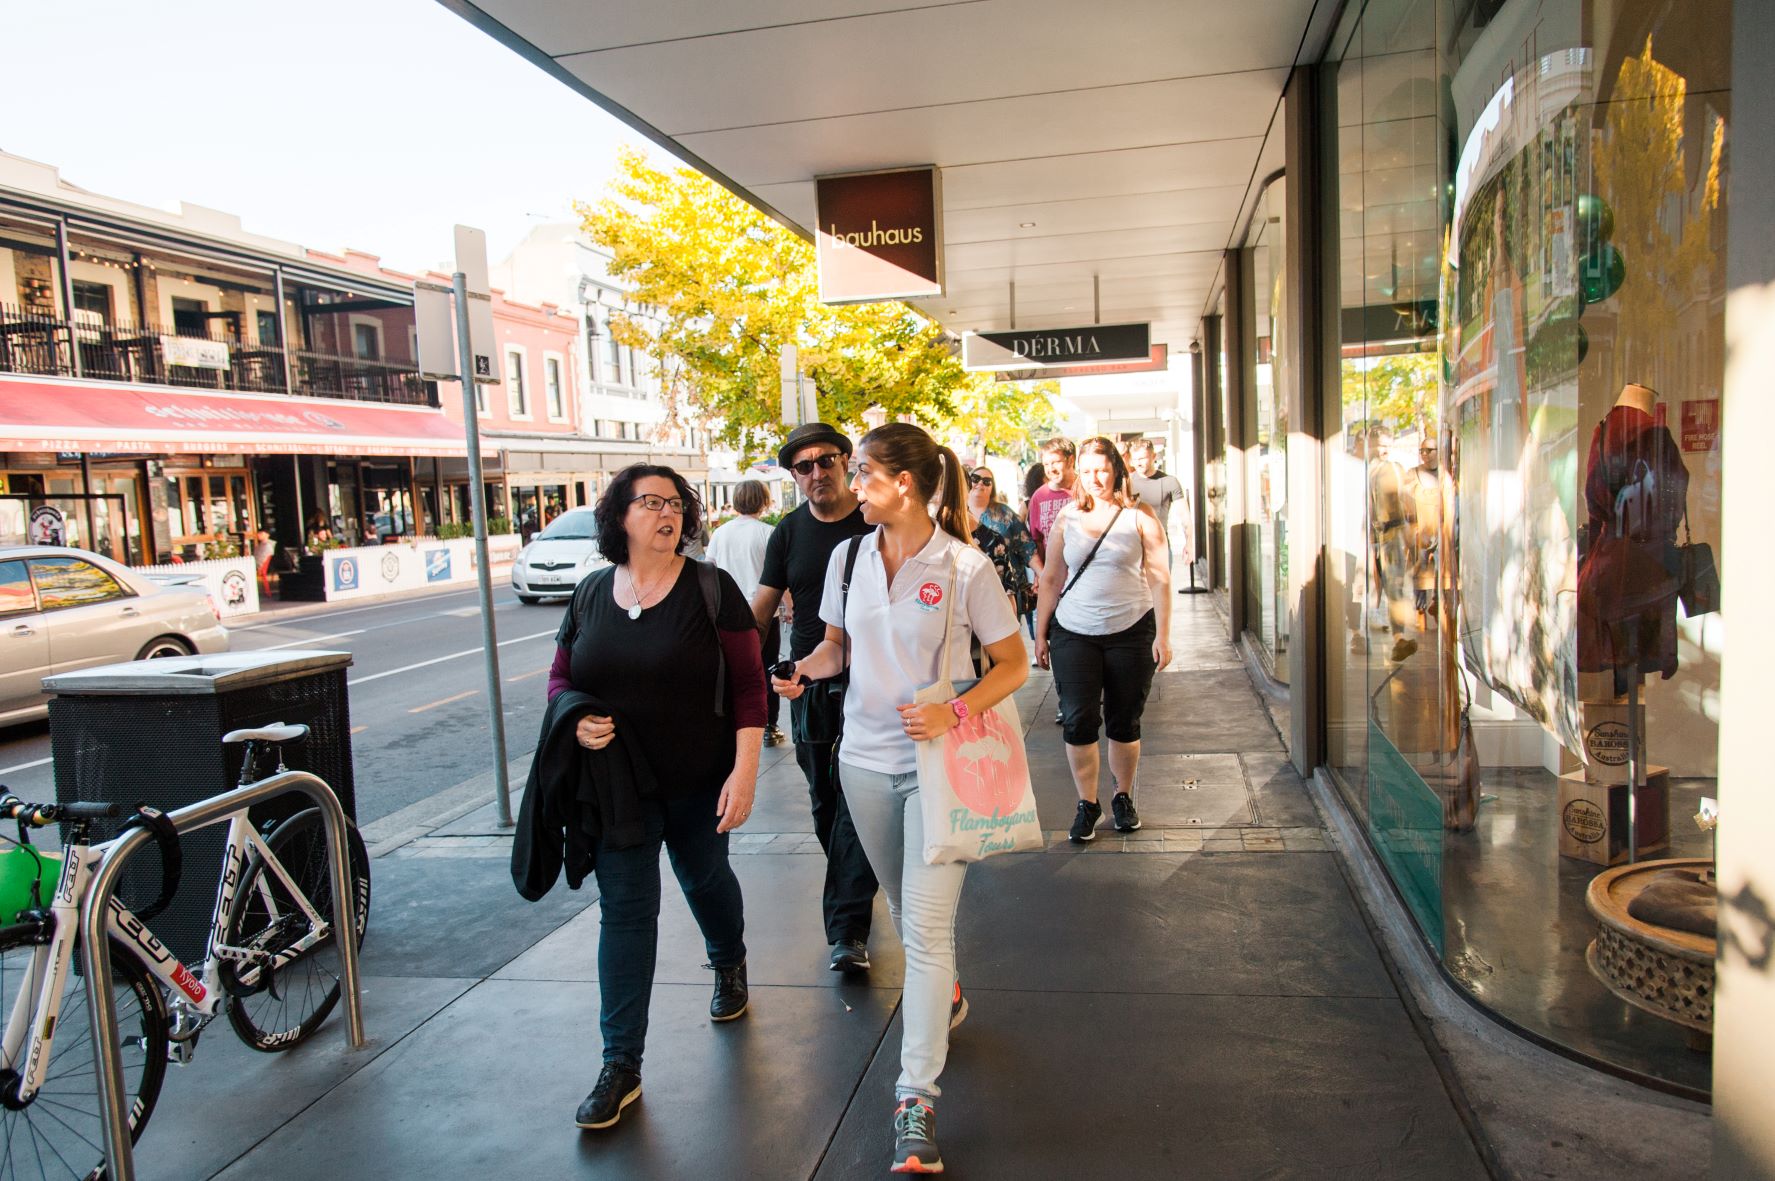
<point>281,1012</point>
<point>58,1133</point>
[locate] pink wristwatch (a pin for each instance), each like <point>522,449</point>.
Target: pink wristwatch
<point>961,709</point>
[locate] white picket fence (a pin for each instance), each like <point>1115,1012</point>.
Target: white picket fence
<point>232,582</point>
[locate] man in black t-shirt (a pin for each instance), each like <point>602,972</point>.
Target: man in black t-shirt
<point>795,561</point>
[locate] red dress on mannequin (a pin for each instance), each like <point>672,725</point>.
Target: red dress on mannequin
<point>1634,493</point>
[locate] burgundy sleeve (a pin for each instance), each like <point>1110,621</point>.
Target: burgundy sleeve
<point>745,677</point>
<point>558,677</point>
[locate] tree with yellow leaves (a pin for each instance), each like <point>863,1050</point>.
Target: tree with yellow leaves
<point>726,289</point>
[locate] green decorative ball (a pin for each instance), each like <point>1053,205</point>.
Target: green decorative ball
<point>1600,274</point>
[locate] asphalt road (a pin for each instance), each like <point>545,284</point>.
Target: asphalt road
<point>418,692</point>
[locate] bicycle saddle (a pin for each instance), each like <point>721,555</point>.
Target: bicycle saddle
<point>276,732</point>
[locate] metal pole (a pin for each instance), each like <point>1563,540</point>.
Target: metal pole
<point>477,501</point>
<point>96,909</point>
<point>1636,764</point>
<point>67,285</point>
<point>92,533</point>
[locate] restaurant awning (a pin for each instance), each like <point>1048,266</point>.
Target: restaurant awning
<point>61,415</point>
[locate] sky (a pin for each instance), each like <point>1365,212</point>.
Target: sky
<point>373,124</point>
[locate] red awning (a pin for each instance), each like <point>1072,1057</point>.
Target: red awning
<point>61,415</point>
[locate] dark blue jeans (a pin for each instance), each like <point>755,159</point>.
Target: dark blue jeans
<point>628,897</point>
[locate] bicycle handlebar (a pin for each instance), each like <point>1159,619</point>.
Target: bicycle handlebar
<point>43,815</point>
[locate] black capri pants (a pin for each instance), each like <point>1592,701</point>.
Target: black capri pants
<point>1103,680</point>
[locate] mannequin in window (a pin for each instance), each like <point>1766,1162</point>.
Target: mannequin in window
<point>1635,492</point>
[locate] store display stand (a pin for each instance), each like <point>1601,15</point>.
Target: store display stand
<point>1192,588</point>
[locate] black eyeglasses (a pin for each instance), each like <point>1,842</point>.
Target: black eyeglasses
<point>823,462</point>
<point>654,503</point>
<point>976,479</point>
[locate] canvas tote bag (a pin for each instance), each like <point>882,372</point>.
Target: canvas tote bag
<point>973,782</point>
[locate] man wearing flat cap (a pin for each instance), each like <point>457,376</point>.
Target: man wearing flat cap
<point>795,561</point>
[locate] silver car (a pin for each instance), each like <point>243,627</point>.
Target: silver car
<point>62,609</point>
<point>558,557</point>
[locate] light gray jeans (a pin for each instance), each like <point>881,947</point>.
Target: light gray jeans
<point>922,900</point>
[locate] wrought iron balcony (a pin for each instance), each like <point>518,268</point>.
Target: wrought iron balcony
<point>37,342</point>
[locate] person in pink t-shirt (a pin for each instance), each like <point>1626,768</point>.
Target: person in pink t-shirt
<point>1059,459</point>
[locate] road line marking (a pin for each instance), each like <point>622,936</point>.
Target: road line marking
<point>419,709</point>
<point>526,676</point>
<point>392,603</point>
<point>308,640</point>
<point>24,766</point>
<point>440,659</point>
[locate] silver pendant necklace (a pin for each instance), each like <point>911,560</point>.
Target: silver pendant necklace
<point>635,607</point>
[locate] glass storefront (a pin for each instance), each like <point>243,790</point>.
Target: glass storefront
<point>1266,434</point>
<point>1520,437</point>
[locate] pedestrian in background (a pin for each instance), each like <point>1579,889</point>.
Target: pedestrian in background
<point>1058,466</point>
<point>737,546</point>
<point>1004,538</point>
<point>909,574</point>
<point>795,564</point>
<point>1102,623</point>
<point>638,642</point>
<point>1158,490</point>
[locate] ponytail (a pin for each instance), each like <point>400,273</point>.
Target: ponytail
<point>952,503</point>
<point>936,472</point>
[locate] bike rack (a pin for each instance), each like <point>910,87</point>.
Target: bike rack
<point>107,1056</point>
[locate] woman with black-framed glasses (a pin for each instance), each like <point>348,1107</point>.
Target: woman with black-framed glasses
<point>656,716</point>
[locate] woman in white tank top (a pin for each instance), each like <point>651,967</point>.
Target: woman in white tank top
<point>1102,622</point>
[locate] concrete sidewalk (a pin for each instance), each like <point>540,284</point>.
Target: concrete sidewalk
<point>1203,997</point>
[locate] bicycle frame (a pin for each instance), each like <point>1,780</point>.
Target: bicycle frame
<point>31,1024</point>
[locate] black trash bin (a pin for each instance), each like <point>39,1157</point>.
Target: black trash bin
<point>150,732</point>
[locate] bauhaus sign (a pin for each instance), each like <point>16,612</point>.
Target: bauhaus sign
<point>1056,348</point>
<point>880,235</point>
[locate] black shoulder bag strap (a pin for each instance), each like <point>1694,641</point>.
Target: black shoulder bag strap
<point>709,578</point>
<point>844,601</point>
<point>1088,557</point>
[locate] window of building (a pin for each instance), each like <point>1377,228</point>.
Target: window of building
<point>514,384</point>
<point>366,342</point>
<point>93,298</point>
<point>613,357</point>
<point>551,380</point>
<point>267,327</point>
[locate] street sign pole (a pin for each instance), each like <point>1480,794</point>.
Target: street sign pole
<point>477,499</point>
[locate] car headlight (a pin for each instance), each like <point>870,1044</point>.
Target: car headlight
<point>589,560</point>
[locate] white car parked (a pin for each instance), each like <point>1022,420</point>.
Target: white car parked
<point>63,609</point>
<point>558,557</point>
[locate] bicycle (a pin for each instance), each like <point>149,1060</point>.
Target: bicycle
<point>266,963</point>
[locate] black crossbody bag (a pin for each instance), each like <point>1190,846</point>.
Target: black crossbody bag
<point>1089,556</point>
<point>817,716</point>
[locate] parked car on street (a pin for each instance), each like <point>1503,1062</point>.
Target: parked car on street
<point>63,609</point>
<point>554,561</point>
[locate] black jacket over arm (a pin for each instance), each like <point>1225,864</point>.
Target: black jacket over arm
<point>576,798</point>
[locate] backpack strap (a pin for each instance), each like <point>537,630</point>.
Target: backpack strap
<point>709,579</point>
<point>844,599</point>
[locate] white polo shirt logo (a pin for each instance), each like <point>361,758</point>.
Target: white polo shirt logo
<point>930,596</point>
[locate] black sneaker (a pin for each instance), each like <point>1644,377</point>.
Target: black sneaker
<point>849,955</point>
<point>731,994</point>
<point>915,1138</point>
<point>1084,825</point>
<point>958,1008</point>
<point>617,1087</point>
<point>1121,806</point>
<point>773,736</point>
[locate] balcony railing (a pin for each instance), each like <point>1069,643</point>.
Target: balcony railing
<point>41,343</point>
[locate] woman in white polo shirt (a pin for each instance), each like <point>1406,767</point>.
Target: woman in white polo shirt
<point>891,622</point>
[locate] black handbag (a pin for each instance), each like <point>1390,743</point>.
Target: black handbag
<point>1699,588</point>
<point>817,716</point>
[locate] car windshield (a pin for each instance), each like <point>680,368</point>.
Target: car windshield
<point>578,525</point>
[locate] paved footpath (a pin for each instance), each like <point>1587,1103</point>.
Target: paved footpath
<point>1202,998</point>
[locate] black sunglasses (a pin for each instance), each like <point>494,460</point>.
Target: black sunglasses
<point>823,462</point>
<point>976,479</point>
